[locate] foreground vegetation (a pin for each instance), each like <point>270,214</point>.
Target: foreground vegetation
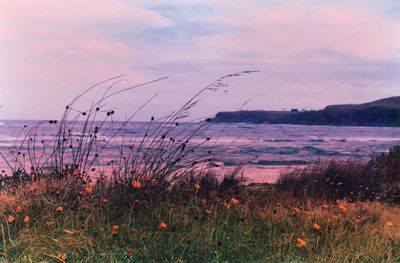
<point>199,220</point>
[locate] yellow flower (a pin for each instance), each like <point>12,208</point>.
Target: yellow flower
<point>234,201</point>
<point>163,226</point>
<point>62,256</point>
<point>115,229</point>
<point>300,243</point>
<point>316,227</point>
<point>10,219</point>
<point>18,209</point>
<point>59,209</point>
<point>88,190</point>
<point>26,218</point>
<point>136,184</point>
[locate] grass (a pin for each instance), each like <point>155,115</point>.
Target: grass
<point>202,226</point>
<point>378,179</point>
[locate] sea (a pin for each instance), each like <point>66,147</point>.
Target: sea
<point>263,151</point>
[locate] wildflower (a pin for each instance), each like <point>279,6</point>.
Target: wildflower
<point>342,208</point>
<point>77,172</point>
<point>10,219</point>
<point>18,209</point>
<point>88,190</point>
<point>163,226</point>
<point>295,211</point>
<point>26,218</point>
<point>316,227</point>
<point>136,184</point>
<point>115,229</point>
<point>62,256</point>
<point>104,201</point>
<point>59,209</point>
<point>234,201</point>
<point>207,212</point>
<point>300,243</point>
<point>227,205</point>
<point>128,252</point>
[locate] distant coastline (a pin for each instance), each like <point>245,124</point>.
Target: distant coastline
<point>381,113</point>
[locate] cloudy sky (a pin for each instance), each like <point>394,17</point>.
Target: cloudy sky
<point>309,53</point>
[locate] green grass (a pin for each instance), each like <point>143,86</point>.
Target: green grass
<point>262,227</point>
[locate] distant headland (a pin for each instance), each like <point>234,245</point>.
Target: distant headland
<point>384,112</point>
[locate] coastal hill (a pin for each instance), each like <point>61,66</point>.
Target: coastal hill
<point>384,112</point>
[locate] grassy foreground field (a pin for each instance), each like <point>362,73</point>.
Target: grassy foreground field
<point>199,221</point>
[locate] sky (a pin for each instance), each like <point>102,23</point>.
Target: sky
<point>309,54</point>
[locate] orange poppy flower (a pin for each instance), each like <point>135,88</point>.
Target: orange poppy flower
<point>10,219</point>
<point>115,229</point>
<point>316,227</point>
<point>163,226</point>
<point>62,256</point>
<point>227,205</point>
<point>18,209</point>
<point>77,172</point>
<point>342,208</point>
<point>300,243</point>
<point>88,190</point>
<point>234,201</point>
<point>26,218</point>
<point>104,201</point>
<point>59,209</point>
<point>136,184</point>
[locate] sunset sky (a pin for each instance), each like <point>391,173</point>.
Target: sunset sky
<point>309,53</point>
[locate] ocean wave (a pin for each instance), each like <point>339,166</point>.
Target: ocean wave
<point>270,150</point>
<point>285,162</point>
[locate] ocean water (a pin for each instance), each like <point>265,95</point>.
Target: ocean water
<point>263,150</point>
